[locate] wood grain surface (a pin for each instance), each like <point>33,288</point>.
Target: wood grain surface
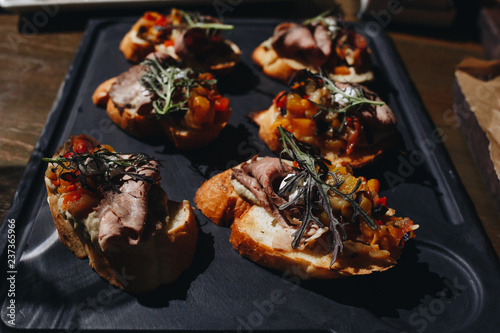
<point>33,65</point>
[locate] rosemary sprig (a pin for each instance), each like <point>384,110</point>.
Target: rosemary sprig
<point>353,101</point>
<point>317,18</point>
<point>313,173</point>
<point>193,21</point>
<point>165,81</point>
<point>105,165</point>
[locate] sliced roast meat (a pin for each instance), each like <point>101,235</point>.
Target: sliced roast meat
<point>323,40</point>
<point>303,43</point>
<point>253,185</point>
<point>266,170</point>
<point>127,92</point>
<point>258,176</point>
<point>123,215</point>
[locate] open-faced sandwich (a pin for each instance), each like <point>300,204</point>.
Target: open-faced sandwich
<point>194,38</point>
<point>305,216</point>
<point>109,207</point>
<point>323,42</point>
<point>161,98</point>
<point>347,122</point>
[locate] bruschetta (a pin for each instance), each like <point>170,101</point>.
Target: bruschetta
<point>305,215</point>
<point>110,207</point>
<point>162,98</point>
<point>347,122</point>
<point>321,43</point>
<point>196,39</point>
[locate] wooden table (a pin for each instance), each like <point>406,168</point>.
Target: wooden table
<point>32,67</point>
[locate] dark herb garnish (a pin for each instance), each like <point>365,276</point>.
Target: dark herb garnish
<point>165,81</point>
<point>105,166</point>
<point>314,174</point>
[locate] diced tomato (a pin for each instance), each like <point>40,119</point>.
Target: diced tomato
<point>382,201</point>
<point>80,202</point>
<point>168,43</point>
<point>280,100</point>
<point>379,222</point>
<point>161,21</point>
<point>81,146</point>
<point>360,42</point>
<point>206,76</point>
<point>72,196</point>
<point>149,16</point>
<point>217,37</point>
<point>221,104</point>
<point>295,164</point>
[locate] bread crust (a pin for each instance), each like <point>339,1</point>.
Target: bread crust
<point>360,157</point>
<point>131,122</point>
<point>158,259</point>
<point>218,200</point>
<point>135,49</point>
<point>284,68</point>
<point>66,232</point>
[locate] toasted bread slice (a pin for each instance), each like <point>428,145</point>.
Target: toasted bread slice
<point>220,60</point>
<point>147,125</point>
<point>160,256</point>
<point>256,235</point>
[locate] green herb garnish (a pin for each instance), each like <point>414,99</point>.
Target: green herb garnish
<point>313,173</point>
<point>319,17</point>
<point>165,82</point>
<point>104,165</point>
<point>193,20</point>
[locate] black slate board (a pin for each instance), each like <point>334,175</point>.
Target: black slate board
<point>447,278</point>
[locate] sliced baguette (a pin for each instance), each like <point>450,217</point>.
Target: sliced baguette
<point>253,230</point>
<point>145,126</point>
<point>159,258</point>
